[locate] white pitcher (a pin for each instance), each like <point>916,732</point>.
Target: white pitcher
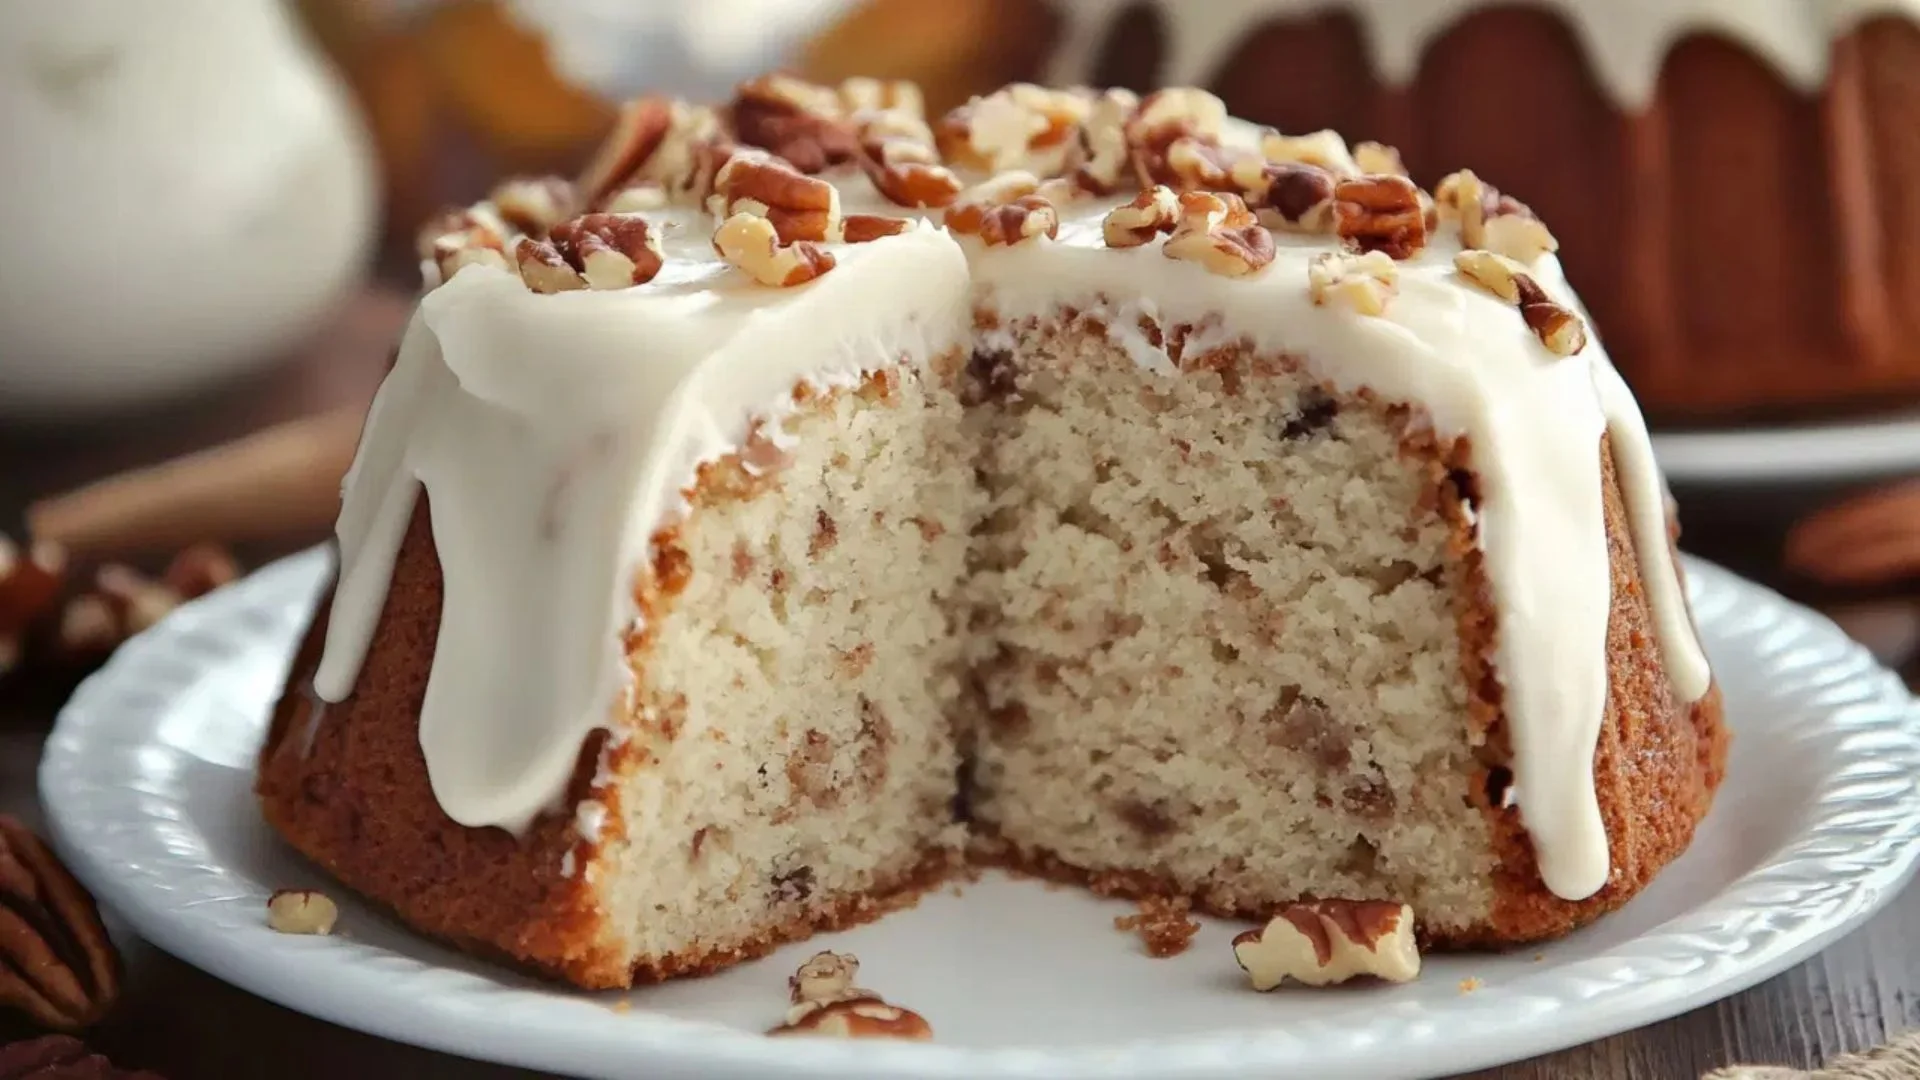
<point>184,192</point>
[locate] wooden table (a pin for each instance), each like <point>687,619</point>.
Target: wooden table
<point>189,1025</point>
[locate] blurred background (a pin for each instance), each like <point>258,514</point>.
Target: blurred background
<point>212,202</point>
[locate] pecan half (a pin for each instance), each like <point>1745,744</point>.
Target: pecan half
<point>1363,283</point>
<point>797,120</point>
<point>455,239</point>
<point>1164,118</point>
<point>862,228</point>
<point>56,962</point>
<point>1322,942</point>
<point>897,153</point>
<point>1100,161</point>
<point>611,251</point>
<point>1380,213</point>
<point>1220,233</point>
<point>544,269</point>
<point>1004,211</point>
<point>825,1002</point>
<point>533,204</point>
<point>1018,127</point>
<point>658,140</point>
<point>1152,212</point>
<point>1323,148</point>
<point>801,207</point>
<point>752,244</point>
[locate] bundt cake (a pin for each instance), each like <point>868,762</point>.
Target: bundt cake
<point>1738,184</point>
<point>810,498</point>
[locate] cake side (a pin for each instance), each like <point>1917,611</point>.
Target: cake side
<point>346,784</point>
<point>707,825</point>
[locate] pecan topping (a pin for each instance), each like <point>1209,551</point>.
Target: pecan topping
<point>1152,212</point>
<point>825,1002</point>
<point>1563,332</point>
<point>301,911</point>
<point>56,962</point>
<point>861,228</point>
<point>753,244</point>
<point>1363,283</point>
<point>122,602</point>
<point>533,204</point>
<point>1164,118</point>
<point>544,269</point>
<point>454,239</point>
<point>801,207</point>
<point>1492,221</point>
<point>897,153</point>
<point>1373,157</point>
<point>1322,942</point>
<point>1100,161</point>
<point>795,119</point>
<point>611,251</point>
<point>1220,233</point>
<point>1380,213</point>
<point>1294,197</point>
<point>1323,148</point>
<point>658,140</point>
<point>1004,211</point>
<point>1021,126</point>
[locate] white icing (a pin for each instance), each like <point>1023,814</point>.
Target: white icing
<point>555,434</point>
<point>1625,41</point>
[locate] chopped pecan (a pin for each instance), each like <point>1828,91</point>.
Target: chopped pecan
<point>544,269</point>
<point>897,96</point>
<point>660,140</point>
<point>801,207</point>
<point>1380,213</point>
<point>1373,157</point>
<point>1220,233</point>
<point>752,244</point>
<point>1100,161</point>
<point>1492,221</point>
<point>642,125</point>
<point>1022,126</point>
<point>1004,211</point>
<point>1362,282</point>
<point>611,251</point>
<point>797,120</point>
<point>1152,212</point>
<point>1322,942</point>
<point>455,239</point>
<point>1323,148</point>
<point>57,964</point>
<point>1562,331</point>
<point>533,204</point>
<point>825,1002</point>
<point>1290,196</point>
<point>301,911</point>
<point>861,228</point>
<point>122,602</point>
<point>1166,117</point>
<point>635,198</point>
<point>898,155</point>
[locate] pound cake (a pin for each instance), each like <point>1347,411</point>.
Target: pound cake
<point>811,497</point>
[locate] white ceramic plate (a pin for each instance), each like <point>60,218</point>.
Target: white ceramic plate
<point>146,782</point>
<point>1837,451</point>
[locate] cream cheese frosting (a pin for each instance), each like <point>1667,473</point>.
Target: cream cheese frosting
<point>554,434</point>
<point>1625,41</point>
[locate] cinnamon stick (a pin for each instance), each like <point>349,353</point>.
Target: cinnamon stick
<point>276,484</point>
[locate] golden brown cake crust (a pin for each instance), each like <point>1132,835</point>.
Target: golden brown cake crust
<point>351,793</point>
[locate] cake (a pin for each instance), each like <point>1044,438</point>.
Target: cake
<point>1738,184</point>
<point>810,499</point>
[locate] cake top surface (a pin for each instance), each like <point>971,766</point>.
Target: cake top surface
<point>584,346</point>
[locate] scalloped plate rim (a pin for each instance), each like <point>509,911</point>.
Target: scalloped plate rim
<point>580,1038</point>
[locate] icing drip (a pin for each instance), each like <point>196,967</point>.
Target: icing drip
<point>1625,41</point>
<point>554,434</point>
